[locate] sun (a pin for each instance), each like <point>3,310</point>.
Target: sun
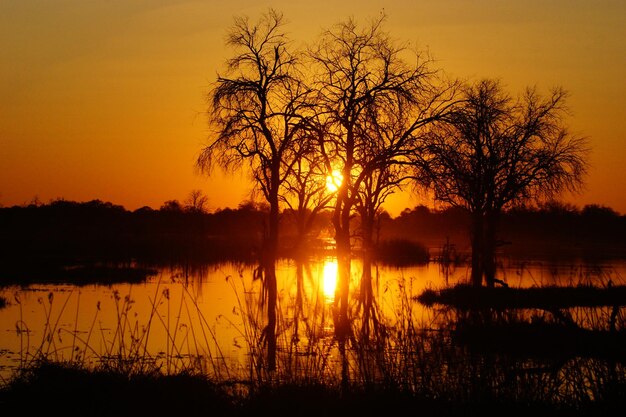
<point>334,180</point>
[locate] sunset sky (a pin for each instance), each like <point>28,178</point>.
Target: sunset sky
<point>105,99</point>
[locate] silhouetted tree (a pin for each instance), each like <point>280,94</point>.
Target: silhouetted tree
<point>494,151</point>
<point>362,81</point>
<point>597,211</point>
<point>171,206</point>
<point>196,202</point>
<point>255,109</point>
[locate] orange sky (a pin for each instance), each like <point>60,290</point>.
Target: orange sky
<point>105,99</point>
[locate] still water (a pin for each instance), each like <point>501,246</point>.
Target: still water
<point>215,314</point>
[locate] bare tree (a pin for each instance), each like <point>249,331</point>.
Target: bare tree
<point>255,109</point>
<point>494,151</point>
<point>197,202</point>
<point>362,74</point>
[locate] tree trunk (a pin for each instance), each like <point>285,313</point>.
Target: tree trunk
<point>489,251</point>
<point>297,316</point>
<point>366,293</point>
<point>477,237</point>
<point>342,324</point>
<point>270,254</point>
<point>342,240</point>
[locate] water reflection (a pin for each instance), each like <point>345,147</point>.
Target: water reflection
<point>329,278</point>
<point>212,319</point>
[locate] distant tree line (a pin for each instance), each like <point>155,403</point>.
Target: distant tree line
<point>70,231</point>
<point>96,231</point>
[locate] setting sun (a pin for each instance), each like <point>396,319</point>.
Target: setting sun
<point>334,180</point>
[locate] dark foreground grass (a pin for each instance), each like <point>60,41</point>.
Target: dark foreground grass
<point>542,340</point>
<point>65,390</point>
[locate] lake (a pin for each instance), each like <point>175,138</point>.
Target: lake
<point>211,317</point>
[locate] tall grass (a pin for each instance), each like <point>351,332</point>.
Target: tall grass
<point>125,348</point>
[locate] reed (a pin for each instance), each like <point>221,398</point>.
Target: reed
<point>126,348</point>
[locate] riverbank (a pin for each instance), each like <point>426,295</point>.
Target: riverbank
<point>57,389</point>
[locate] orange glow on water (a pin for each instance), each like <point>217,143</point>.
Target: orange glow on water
<point>330,279</point>
<point>153,310</point>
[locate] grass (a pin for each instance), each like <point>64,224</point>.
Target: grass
<point>547,340</point>
<point>73,391</point>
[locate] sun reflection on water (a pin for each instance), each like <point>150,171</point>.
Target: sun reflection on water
<point>330,279</point>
